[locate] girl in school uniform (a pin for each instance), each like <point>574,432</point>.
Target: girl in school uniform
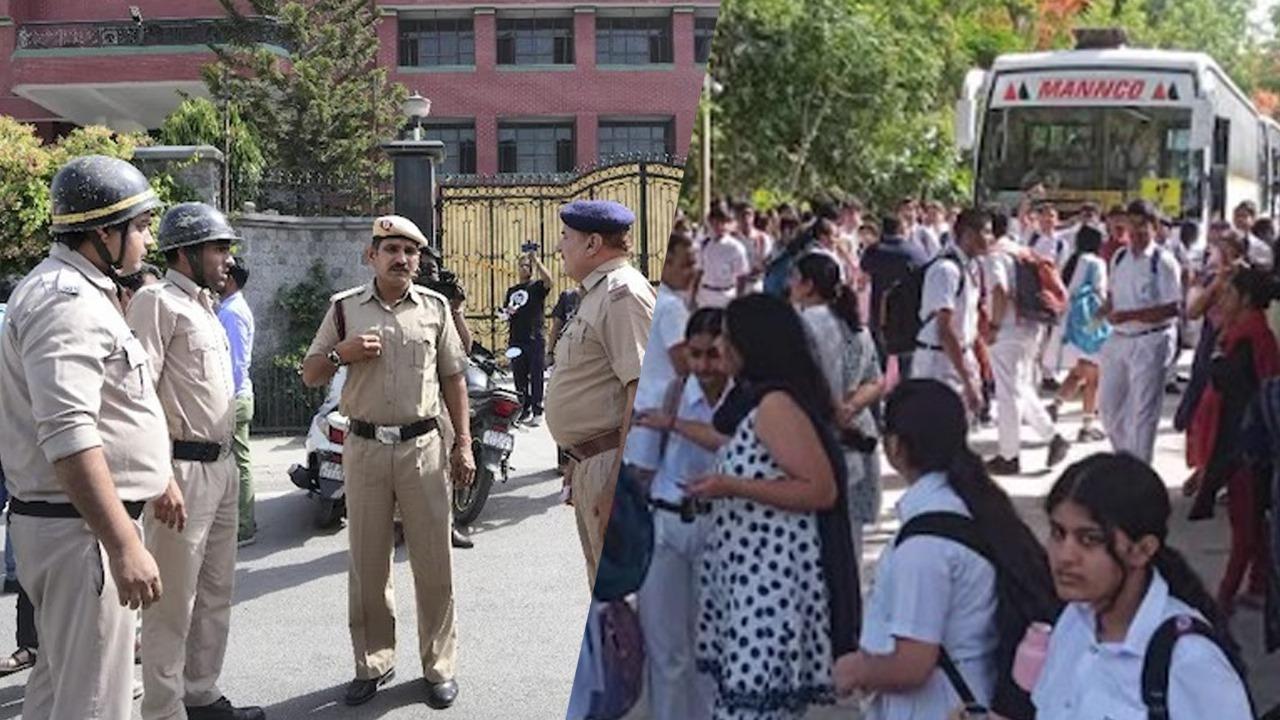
<point>1108,519</point>
<point>933,594</point>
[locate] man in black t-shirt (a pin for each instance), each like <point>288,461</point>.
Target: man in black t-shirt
<point>524,310</point>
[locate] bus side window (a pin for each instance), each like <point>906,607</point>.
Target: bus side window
<point>1220,163</point>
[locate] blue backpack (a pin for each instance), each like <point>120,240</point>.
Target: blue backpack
<point>1082,330</point>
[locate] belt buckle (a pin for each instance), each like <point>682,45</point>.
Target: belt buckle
<point>387,434</point>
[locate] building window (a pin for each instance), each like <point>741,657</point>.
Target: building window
<point>633,40</point>
<point>626,138</point>
<point>459,147</point>
<point>541,40</point>
<point>704,29</point>
<point>543,148</point>
<point>437,41</point>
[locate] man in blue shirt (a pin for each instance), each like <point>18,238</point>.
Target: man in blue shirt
<point>237,319</point>
<point>888,261</point>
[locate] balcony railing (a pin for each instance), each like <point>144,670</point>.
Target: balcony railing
<point>148,33</point>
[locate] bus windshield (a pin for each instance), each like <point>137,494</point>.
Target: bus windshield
<point>1102,154</point>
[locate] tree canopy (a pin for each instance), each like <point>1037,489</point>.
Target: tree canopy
<point>856,96</point>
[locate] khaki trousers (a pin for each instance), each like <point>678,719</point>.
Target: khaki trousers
<point>379,479</point>
<point>184,635</point>
<point>85,666</point>
<point>591,491</point>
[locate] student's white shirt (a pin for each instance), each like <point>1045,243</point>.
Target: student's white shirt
<point>684,460</point>
<point>1260,253</point>
<point>1084,679</point>
<point>1135,287</point>
<point>923,239</point>
<point>722,262</point>
<point>1056,247</point>
<point>936,591</point>
<point>670,316</point>
<point>1001,270</point>
<point>943,291</point>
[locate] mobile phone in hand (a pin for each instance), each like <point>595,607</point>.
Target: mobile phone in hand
<point>529,247</point>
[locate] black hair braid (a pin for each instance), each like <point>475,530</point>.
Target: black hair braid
<point>1186,585</point>
<point>823,271</point>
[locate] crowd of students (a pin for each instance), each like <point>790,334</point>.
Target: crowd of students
<point>777,378</point>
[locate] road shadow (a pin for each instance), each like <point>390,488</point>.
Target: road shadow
<point>506,507</point>
<point>253,583</point>
<point>11,701</point>
<point>328,703</point>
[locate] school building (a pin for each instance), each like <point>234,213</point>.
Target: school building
<point>517,86</point>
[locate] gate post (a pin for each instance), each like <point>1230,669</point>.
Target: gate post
<point>644,215</point>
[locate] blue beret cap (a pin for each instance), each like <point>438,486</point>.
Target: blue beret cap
<point>597,216</point>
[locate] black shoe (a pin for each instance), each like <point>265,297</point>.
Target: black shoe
<point>1172,389</point>
<point>1058,448</point>
<point>999,466</point>
<point>223,710</point>
<point>1090,434</point>
<point>1052,409</point>
<point>534,420</point>
<point>360,691</point>
<point>525,414</point>
<point>1050,385</point>
<point>10,586</point>
<point>441,695</point>
<point>461,541</point>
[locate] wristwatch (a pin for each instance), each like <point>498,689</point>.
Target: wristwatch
<point>335,358</point>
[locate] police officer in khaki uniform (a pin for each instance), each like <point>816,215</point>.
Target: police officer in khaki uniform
<point>403,353</point>
<point>597,361</point>
<point>192,533</point>
<point>85,444</point>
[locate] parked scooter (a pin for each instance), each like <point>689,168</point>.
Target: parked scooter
<point>322,475</point>
<point>494,411</point>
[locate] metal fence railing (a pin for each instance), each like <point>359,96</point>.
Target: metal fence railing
<point>282,404</point>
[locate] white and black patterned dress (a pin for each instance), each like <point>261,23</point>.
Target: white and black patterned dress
<point>764,628</point>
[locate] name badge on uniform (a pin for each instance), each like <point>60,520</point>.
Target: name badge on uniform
<point>134,352</point>
<point>68,282</point>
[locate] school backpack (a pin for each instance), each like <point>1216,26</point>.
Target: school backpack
<point>1083,329</point>
<point>628,541</point>
<point>900,322</point>
<point>1158,662</point>
<point>1039,294</point>
<point>1024,595</point>
<point>620,649</point>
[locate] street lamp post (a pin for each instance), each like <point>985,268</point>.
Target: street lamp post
<point>709,88</point>
<point>415,159</point>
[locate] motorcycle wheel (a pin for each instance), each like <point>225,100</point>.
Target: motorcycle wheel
<point>469,501</point>
<point>329,513</point>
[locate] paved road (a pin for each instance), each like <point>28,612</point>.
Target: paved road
<point>520,596</point>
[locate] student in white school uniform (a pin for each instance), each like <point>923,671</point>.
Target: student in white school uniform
<point>1145,293</point>
<point>663,357</point>
<point>723,263</point>
<point>1051,243</point>
<point>668,600</point>
<point>931,593</point>
<point>949,311</point>
<point>1107,548</point>
<point>1014,342</point>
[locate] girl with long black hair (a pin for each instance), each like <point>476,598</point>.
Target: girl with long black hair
<point>933,593</point>
<point>847,356</point>
<point>779,584</point>
<point>1083,334</point>
<point>1108,524</point>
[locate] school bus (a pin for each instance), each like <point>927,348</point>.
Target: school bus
<point>1108,124</point>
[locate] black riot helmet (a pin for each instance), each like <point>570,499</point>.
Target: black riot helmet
<point>189,225</point>
<point>96,191</point>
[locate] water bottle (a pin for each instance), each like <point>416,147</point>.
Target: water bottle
<point>1031,654</point>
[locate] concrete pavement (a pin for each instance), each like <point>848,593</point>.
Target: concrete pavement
<point>520,596</point>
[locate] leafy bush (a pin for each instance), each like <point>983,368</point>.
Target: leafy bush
<point>197,121</point>
<point>304,305</point>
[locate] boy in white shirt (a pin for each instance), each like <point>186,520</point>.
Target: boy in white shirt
<point>723,262</point>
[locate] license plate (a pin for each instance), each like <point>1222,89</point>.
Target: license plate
<point>500,441</point>
<point>331,470</point>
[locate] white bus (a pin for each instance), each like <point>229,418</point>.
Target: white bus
<point>1112,124</point>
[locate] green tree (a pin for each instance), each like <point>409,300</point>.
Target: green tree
<point>324,108</point>
<point>198,121</point>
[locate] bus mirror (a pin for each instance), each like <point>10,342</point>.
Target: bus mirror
<point>975,82</point>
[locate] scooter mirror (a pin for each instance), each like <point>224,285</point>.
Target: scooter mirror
<point>513,353</point>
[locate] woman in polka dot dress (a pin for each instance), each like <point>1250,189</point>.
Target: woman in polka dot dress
<point>766,631</point>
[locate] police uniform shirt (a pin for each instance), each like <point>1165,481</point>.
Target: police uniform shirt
<point>1083,678</point>
<point>420,348</point>
<point>950,285</point>
<point>73,377</point>
<point>1136,286</point>
<point>600,353</point>
<point>176,322</point>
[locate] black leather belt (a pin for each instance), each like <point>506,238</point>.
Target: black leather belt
<point>392,434</point>
<point>205,452</point>
<point>41,509</point>
<point>1144,333</point>
<point>688,510</point>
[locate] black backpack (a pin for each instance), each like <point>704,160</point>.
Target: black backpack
<point>1158,661</point>
<point>1024,595</point>
<point>900,322</point>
